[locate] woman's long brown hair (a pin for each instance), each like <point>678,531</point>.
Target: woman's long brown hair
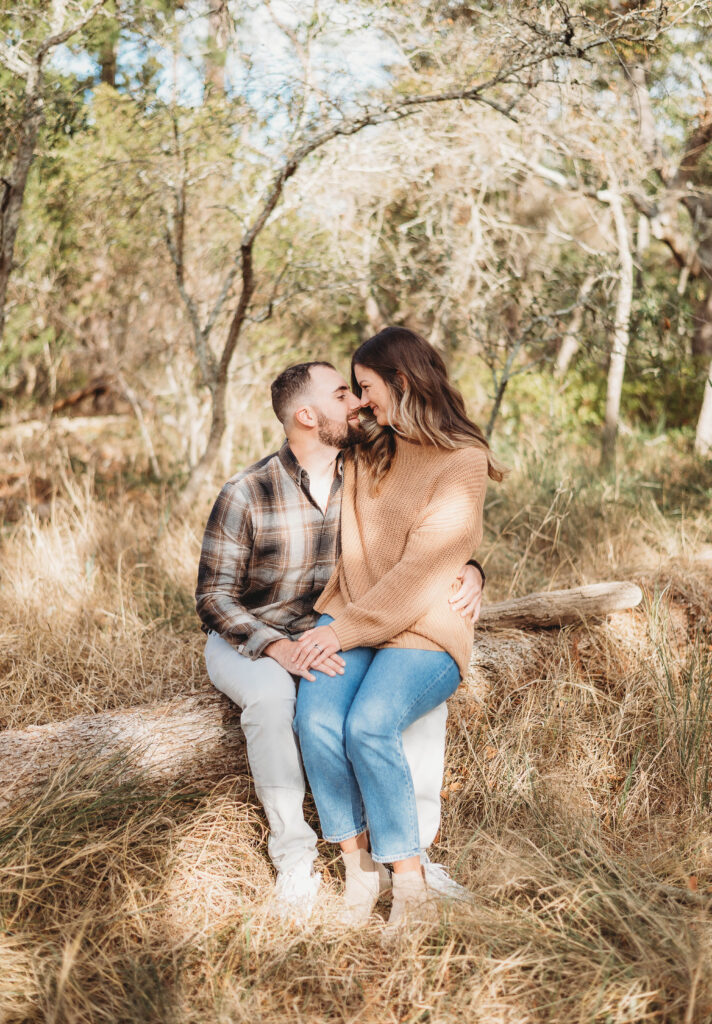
<point>428,409</point>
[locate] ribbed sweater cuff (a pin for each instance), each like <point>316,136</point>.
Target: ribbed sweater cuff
<point>350,635</point>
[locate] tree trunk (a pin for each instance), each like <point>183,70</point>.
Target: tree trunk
<point>107,61</point>
<point>201,471</point>
<point>375,320</point>
<point>570,343</point>
<point>197,738</point>
<point>562,607</point>
<point>703,436</point>
<point>14,186</point>
<point>189,739</point>
<point>702,337</point>
<point>621,335</point>
<point>218,21</point>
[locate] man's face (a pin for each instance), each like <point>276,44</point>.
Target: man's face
<point>336,408</point>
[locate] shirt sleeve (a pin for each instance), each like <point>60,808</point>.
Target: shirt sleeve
<point>224,559</point>
<point>442,539</point>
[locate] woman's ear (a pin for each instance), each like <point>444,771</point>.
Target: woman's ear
<point>402,380</point>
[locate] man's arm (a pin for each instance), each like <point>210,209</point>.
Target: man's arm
<point>468,599</point>
<point>475,564</point>
<point>222,575</point>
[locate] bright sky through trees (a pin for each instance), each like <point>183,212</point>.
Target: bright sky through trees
<point>349,54</point>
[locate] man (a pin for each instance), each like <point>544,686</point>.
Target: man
<point>270,546</point>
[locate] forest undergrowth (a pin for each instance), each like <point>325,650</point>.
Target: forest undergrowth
<point>576,803</point>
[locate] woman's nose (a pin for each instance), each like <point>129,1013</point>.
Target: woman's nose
<point>364,402</point>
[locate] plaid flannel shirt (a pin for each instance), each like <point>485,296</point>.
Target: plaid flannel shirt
<point>267,554</point>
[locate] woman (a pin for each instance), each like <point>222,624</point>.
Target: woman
<point>411,515</point>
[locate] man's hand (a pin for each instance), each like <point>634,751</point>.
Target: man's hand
<point>316,648</point>
<point>468,600</point>
<point>285,651</point>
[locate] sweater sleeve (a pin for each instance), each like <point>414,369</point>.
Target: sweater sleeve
<point>440,542</point>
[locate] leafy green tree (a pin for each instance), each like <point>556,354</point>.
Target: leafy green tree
<point>30,34</point>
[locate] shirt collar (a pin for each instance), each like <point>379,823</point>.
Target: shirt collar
<point>288,459</point>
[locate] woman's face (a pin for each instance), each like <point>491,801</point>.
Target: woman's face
<point>375,393</point>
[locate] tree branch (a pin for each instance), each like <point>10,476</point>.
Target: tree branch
<point>205,356</point>
<point>695,146</point>
<point>57,38</point>
<point>559,43</point>
<point>18,64</point>
<point>21,64</point>
<point>648,133</point>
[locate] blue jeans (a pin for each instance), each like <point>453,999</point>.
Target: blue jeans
<point>349,730</point>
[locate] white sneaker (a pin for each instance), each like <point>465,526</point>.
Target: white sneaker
<point>439,881</point>
<point>295,892</point>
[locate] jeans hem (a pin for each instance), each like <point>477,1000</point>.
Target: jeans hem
<point>396,856</point>
<point>346,835</point>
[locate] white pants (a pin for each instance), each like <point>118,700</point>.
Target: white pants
<point>267,694</point>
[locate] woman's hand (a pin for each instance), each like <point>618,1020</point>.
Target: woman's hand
<point>315,647</point>
<point>284,651</point>
<point>468,600</point>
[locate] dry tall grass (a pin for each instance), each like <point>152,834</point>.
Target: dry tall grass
<point>576,803</point>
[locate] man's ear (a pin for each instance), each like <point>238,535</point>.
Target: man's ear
<point>305,416</point>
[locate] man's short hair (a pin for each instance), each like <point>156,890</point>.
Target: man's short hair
<point>289,385</point>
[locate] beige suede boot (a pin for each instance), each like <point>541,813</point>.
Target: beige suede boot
<point>365,881</point>
<point>412,900</point>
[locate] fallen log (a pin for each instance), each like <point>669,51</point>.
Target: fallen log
<point>562,607</point>
<point>197,739</point>
<point>194,739</point>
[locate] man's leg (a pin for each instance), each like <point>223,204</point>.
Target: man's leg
<point>266,692</point>
<point>424,747</point>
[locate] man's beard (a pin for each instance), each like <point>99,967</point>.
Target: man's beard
<point>339,435</point>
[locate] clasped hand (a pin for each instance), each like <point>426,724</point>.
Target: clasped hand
<point>315,648</point>
<point>286,652</point>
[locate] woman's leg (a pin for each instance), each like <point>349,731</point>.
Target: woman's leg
<point>266,694</point>
<point>398,687</point>
<point>322,708</point>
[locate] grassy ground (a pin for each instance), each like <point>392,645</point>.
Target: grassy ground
<point>576,802</point>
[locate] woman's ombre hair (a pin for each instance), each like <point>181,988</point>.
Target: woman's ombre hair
<point>427,408</point>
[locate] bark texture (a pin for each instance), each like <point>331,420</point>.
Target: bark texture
<point>562,607</point>
<point>195,739</point>
<point>621,334</point>
<point>703,435</point>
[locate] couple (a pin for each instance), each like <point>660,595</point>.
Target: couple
<point>393,640</point>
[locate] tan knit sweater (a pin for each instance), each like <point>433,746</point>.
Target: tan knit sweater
<point>401,550</point>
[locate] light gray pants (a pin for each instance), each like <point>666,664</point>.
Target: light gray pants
<point>267,694</point>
